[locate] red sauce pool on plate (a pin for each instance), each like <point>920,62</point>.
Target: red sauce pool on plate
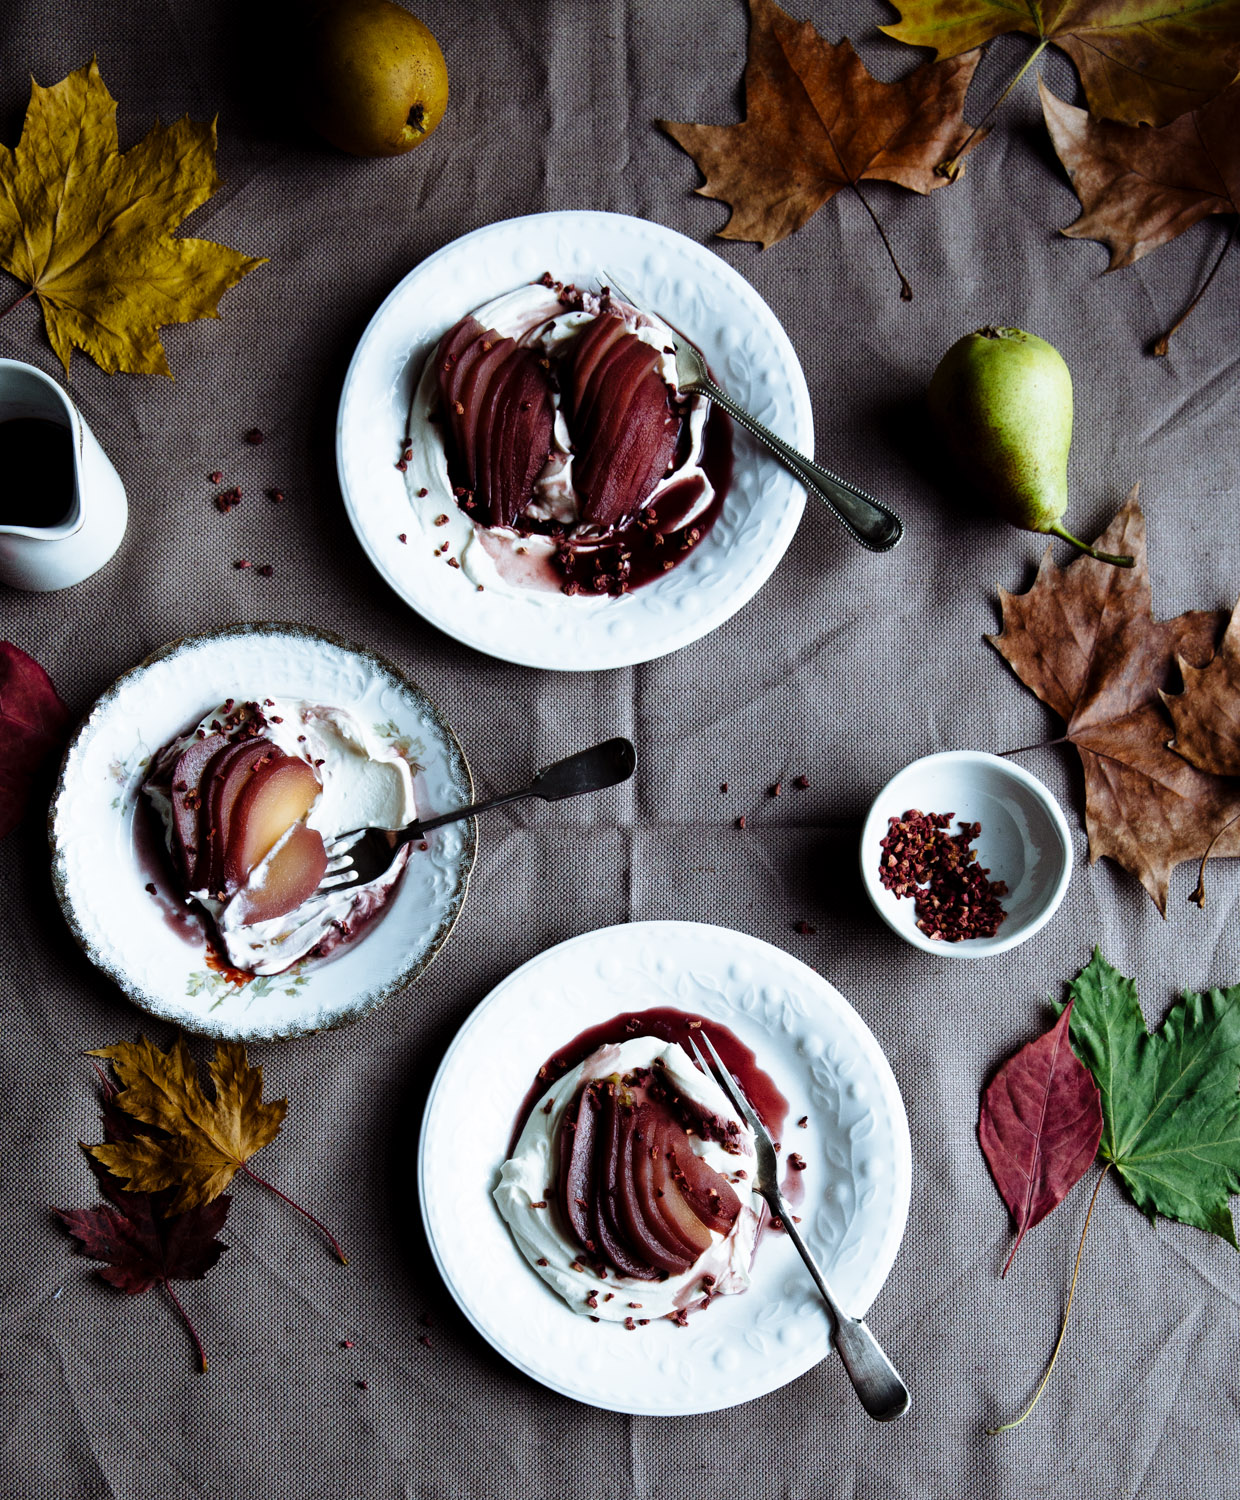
<point>669,1026</point>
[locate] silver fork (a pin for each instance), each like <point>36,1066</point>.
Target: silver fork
<point>875,1379</point>
<point>364,854</point>
<point>866,521</point>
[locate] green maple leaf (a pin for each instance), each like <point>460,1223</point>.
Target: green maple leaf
<point>1170,1105</point>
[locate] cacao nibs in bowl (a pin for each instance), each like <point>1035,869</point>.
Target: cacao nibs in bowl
<point>952,894</point>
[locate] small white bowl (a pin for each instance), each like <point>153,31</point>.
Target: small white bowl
<point>1024,841</point>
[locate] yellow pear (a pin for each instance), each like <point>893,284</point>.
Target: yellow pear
<point>378,81</point>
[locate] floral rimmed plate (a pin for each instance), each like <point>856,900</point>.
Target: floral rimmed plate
<point>821,1055</point>
<point>673,276</point>
<point>103,855</point>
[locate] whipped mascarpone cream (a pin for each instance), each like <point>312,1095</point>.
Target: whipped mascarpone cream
<point>533,315</point>
<point>531,1170</point>
<point>365,784</point>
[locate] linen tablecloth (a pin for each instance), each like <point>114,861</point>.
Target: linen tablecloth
<point>843,668</point>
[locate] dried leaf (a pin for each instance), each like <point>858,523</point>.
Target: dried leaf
<point>1039,1127</point>
<point>89,229</point>
<point>1139,60</point>
<point>815,122</point>
<point>201,1142</point>
<point>141,1247</point>
<point>1169,1099</point>
<point>1206,715</point>
<point>1084,639</point>
<point>1140,187</point>
<point>141,1244</point>
<point>33,725</point>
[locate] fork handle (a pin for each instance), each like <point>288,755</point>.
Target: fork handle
<point>875,1379</point>
<point>868,522</point>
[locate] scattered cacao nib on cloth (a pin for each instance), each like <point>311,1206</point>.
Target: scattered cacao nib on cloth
<point>1084,639</point>
<point>34,725</point>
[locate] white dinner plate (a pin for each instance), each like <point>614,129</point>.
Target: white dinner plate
<point>671,275</point>
<point>822,1057</point>
<point>101,847</point>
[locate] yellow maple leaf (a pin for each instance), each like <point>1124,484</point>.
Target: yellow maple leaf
<point>202,1142</point>
<point>88,228</point>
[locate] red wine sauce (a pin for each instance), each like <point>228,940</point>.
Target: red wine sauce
<point>36,472</point>
<point>669,1026</point>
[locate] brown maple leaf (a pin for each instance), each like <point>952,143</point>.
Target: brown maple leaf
<point>140,1243</point>
<point>202,1141</point>
<point>1084,639</point>
<point>815,122</point>
<point>1206,715</point>
<point>194,1143</point>
<point>1140,187</point>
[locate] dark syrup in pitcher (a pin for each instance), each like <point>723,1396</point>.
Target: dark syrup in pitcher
<point>36,472</point>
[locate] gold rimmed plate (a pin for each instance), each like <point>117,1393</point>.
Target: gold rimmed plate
<point>104,854</point>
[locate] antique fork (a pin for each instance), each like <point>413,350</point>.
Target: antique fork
<point>866,521</point>
<point>875,1379</point>
<point>364,854</point>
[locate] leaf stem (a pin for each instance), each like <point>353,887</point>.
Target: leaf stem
<point>1063,1327</point>
<point>1159,347</point>
<point>951,167</point>
<point>29,292</point>
<point>185,1318</point>
<point>1041,745</point>
<point>1199,895</point>
<point>906,291</point>
<point>305,1212</point>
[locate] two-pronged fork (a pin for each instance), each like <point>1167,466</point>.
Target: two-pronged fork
<point>875,1379</point>
<point>866,521</point>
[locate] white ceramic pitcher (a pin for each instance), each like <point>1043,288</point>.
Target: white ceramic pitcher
<point>53,557</point>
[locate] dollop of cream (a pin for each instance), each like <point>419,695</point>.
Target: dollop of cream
<point>366,783</point>
<point>542,1239</point>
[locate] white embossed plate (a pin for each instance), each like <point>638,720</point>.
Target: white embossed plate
<point>100,867</point>
<point>674,276</point>
<point>821,1055</point>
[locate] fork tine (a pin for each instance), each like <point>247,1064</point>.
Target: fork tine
<point>343,842</point>
<point>338,880</point>
<point>616,287</point>
<point>715,1068</point>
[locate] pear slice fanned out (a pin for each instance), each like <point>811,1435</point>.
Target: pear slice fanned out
<point>624,427</point>
<point>499,416</point>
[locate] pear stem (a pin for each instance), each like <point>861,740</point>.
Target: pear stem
<point>1063,1327</point>
<point>1106,557</point>
<point>1159,347</point>
<point>951,167</point>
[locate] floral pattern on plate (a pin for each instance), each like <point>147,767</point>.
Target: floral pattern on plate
<point>101,852</point>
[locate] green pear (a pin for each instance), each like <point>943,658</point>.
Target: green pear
<point>378,83</point>
<point>1002,399</point>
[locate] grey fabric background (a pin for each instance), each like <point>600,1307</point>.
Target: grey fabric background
<point>844,667</point>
